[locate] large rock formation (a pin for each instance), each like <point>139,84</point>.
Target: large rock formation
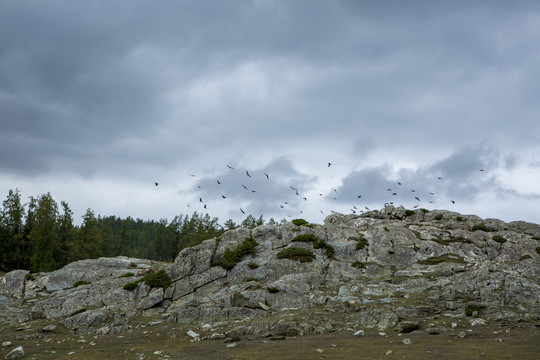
<point>383,269</point>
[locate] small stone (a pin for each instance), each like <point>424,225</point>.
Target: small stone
<point>158,352</point>
<point>359,333</point>
<point>461,334</point>
<point>454,325</point>
<point>478,322</point>
<point>264,306</point>
<point>6,343</point>
<point>320,351</point>
<point>217,336</point>
<point>230,346</point>
<point>407,341</point>
<point>71,352</point>
<point>193,334</point>
<point>389,352</point>
<point>49,328</point>
<point>16,353</point>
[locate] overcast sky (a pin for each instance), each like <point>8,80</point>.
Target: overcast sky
<point>99,100</point>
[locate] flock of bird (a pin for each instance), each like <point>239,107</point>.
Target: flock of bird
<point>285,205</point>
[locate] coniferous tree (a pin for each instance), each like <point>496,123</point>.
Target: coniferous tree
<point>65,235</point>
<point>89,240</point>
<point>14,249</point>
<point>45,235</point>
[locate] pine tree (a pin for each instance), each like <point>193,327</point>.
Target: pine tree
<point>89,240</point>
<point>45,235</point>
<point>13,247</point>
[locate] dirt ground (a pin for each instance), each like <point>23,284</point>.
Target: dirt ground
<point>170,341</point>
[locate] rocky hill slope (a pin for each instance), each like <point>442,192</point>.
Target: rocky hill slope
<point>388,269</point>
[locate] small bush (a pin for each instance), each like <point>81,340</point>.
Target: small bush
<point>361,243</point>
<point>438,217</point>
<point>538,250</point>
<point>128,274</point>
<point>130,286</point>
<point>358,264</point>
<point>29,277</point>
<point>499,239</point>
<point>252,279</point>
<point>386,229</point>
<point>253,265</point>
<point>299,222</point>
<point>536,237</point>
<point>459,218</point>
<point>296,253</point>
<point>218,240</point>
<point>409,212</point>
<point>391,252</point>
<point>272,289</point>
<point>481,227</point>
<point>158,279</point>
<point>232,257</point>
<point>425,211</point>
<point>471,308</point>
<point>318,243</point>
<point>81,282</point>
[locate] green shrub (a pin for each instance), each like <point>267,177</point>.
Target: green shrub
<point>253,265</point>
<point>459,218</point>
<point>81,282</point>
<point>391,252</point>
<point>128,274</point>
<point>409,212</point>
<point>29,277</point>
<point>358,264</point>
<point>438,217</point>
<point>425,211</point>
<point>536,237</point>
<point>318,243</point>
<point>362,242</point>
<point>538,250</point>
<point>218,240</point>
<point>158,279</point>
<point>252,279</point>
<point>272,289</point>
<point>296,253</point>
<point>386,229</point>
<point>481,227</point>
<point>232,257</point>
<point>499,239</point>
<point>130,286</point>
<point>471,308</point>
<point>299,222</point>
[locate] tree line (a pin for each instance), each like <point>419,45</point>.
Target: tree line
<point>39,235</point>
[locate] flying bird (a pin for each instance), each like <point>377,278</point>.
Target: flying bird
<point>156,184</point>
<point>200,199</point>
<point>244,186</point>
<point>452,201</point>
<point>417,198</point>
<point>329,164</point>
<point>242,211</point>
<point>440,178</point>
<point>247,173</point>
<point>398,183</point>
<point>230,167</point>
<point>359,196</point>
<point>268,177</point>
<point>218,182</point>
<point>223,196</point>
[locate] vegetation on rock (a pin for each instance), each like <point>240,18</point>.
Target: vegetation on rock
<point>358,264</point>
<point>318,243</point>
<point>231,257</point>
<point>499,239</point>
<point>362,242</point>
<point>130,286</point>
<point>296,253</point>
<point>81,282</point>
<point>157,279</point>
<point>481,227</point>
<point>128,274</point>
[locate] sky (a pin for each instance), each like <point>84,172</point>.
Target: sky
<point>329,106</point>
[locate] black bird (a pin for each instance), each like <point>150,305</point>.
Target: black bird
<point>394,194</point>
<point>199,186</point>
<point>438,177</point>
<point>223,196</point>
<point>188,205</point>
<point>413,190</point>
<point>244,186</point>
<point>253,191</point>
<point>218,182</point>
<point>334,189</point>
<point>305,199</point>
<point>416,197</point>
<point>242,211</point>
<point>366,208</point>
<point>359,196</point>
<point>398,183</point>
<point>292,188</point>
<point>415,206</point>
<point>388,189</point>
<point>329,164</point>
<point>481,169</point>
<point>430,193</point>
<point>268,177</point>
<point>200,199</point>
<point>320,194</point>
<point>453,202</point>
<point>205,206</point>
<point>247,173</point>
<point>230,167</point>
<point>192,175</point>
<point>156,184</point>
<point>281,206</point>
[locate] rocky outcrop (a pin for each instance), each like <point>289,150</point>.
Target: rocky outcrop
<point>383,269</point>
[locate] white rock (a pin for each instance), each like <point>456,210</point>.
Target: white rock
<point>359,333</point>
<point>6,343</point>
<point>193,334</point>
<point>233,345</point>
<point>15,353</point>
<point>407,341</point>
<point>320,351</point>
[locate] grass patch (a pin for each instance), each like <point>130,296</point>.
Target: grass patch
<point>231,257</point>
<point>128,274</point>
<point>443,258</point>
<point>425,211</point>
<point>299,222</point>
<point>130,286</point>
<point>157,279</point>
<point>81,282</point>
<point>29,277</point>
<point>438,217</point>
<point>253,265</point>
<point>538,250</point>
<point>409,212</point>
<point>272,289</point>
<point>318,243</point>
<point>252,279</point>
<point>358,265</point>
<point>499,239</point>
<point>536,237</point>
<point>386,229</point>
<point>459,218</point>
<point>362,242</point>
<point>297,254</point>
